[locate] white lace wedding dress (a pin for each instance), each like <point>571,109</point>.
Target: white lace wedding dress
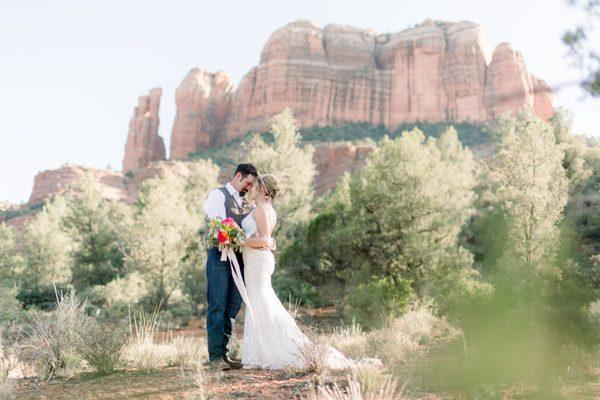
<point>272,339</point>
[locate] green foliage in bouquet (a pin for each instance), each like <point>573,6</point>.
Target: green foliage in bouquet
<point>225,234</point>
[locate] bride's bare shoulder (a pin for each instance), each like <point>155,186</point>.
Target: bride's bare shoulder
<point>265,211</point>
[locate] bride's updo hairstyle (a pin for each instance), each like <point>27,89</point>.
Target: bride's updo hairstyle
<point>270,183</point>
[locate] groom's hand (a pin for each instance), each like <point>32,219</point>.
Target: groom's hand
<point>269,244</point>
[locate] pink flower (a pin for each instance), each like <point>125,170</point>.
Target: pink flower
<point>228,222</point>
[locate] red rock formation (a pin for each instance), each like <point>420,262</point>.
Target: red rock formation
<point>542,98</point>
<point>333,160</point>
<point>508,86</point>
<point>203,104</point>
<point>143,143</point>
<point>435,72</point>
<point>465,66</point>
<point>61,181</point>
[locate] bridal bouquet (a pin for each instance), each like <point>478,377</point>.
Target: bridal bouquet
<point>225,234</point>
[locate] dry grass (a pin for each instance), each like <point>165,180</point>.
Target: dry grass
<point>396,345</point>
<point>9,362</point>
<point>408,336</point>
<point>314,358</point>
<point>350,340</point>
<point>354,390</point>
<point>188,351</point>
<point>142,350</point>
<point>292,306</point>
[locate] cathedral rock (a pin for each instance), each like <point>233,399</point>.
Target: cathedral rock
<point>435,72</point>
<point>336,75</point>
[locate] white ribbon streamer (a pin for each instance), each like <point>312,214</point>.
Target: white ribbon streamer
<point>236,272</point>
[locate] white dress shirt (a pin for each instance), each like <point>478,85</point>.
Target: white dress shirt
<point>214,205</point>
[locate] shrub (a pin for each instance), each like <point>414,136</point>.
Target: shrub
<point>11,308</point>
<point>369,303</point>
<point>100,346</point>
<point>52,345</point>
<point>288,287</point>
<point>43,297</point>
<point>120,294</point>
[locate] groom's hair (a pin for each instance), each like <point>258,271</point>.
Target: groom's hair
<point>245,170</point>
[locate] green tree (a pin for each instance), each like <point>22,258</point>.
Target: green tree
<point>46,247</point>
<point>285,157</point>
<point>202,177</point>
<point>95,225</point>
<point>10,259</point>
<point>531,187</point>
<point>394,229</point>
<point>160,236</point>
<point>592,159</point>
<point>416,196</point>
<point>574,150</point>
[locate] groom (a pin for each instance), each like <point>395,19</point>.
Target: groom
<point>224,300</point>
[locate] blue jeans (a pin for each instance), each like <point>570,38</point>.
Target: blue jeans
<point>224,302</point>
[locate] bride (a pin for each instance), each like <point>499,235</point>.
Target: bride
<point>272,339</point>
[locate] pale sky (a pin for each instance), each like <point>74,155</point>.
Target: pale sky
<point>71,71</point>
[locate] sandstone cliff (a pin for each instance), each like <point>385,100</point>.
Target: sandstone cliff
<point>435,72</point>
<point>144,145</point>
<point>60,181</point>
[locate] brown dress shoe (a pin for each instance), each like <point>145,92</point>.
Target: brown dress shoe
<point>233,363</point>
<point>218,365</point>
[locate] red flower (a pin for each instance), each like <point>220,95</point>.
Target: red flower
<point>228,222</point>
<point>223,237</point>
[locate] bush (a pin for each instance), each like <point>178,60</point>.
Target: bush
<point>11,308</point>
<point>42,297</point>
<point>372,302</point>
<point>52,345</point>
<point>100,346</point>
<point>120,294</point>
<point>288,287</point>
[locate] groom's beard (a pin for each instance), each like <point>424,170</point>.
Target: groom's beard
<point>243,192</point>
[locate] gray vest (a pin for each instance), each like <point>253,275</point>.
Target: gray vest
<point>232,209</point>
